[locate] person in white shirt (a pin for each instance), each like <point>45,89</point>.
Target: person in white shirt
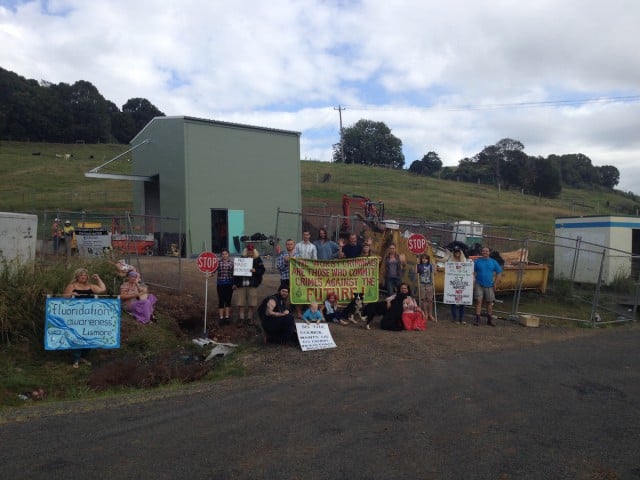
<point>306,249</point>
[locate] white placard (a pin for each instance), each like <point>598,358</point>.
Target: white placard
<point>242,267</point>
<point>92,245</point>
<point>314,336</point>
<point>458,283</point>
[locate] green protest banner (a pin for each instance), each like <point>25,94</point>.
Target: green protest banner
<point>315,279</point>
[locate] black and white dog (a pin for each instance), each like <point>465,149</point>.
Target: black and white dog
<point>372,310</point>
<point>353,311</point>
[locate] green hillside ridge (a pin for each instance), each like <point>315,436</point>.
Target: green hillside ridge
<point>37,177</point>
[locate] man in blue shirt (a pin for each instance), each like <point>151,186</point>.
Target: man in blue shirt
<point>326,249</point>
<point>486,274</point>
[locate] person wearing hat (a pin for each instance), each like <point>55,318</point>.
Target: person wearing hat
<point>457,310</point>
<point>137,299</point>
<point>56,234</point>
<point>246,296</point>
<point>68,231</point>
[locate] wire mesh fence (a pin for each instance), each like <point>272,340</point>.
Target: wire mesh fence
<point>601,285</point>
<point>134,239</point>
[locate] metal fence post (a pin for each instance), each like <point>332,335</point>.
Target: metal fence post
<point>636,299</point>
<point>516,298</point>
<point>576,254</point>
<point>596,297</point>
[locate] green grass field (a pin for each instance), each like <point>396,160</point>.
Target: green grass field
<point>37,177</point>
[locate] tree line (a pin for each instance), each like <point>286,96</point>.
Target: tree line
<point>63,113</point>
<point>504,164</point>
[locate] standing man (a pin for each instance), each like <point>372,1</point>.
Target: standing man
<point>306,249</point>
<point>68,236</point>
<point>283,262</point>
<point>247,287</point>
<point>56,234</point>
<point>326,249</point>
<point>351,249</point>
<point>486,274</point>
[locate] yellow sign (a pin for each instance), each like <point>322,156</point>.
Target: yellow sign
<point>315,279</point>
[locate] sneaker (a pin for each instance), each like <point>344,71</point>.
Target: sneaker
<point>490,321</point>
<point>476,320</point>
<point>462,322</point>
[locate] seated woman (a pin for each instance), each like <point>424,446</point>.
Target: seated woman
<point>392,319</point>
<point>137,301</point>
<point>331,311</point>
<point>413,317</point>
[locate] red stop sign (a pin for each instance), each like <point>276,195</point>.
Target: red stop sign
<point>207,262</point>
<point>417,243</point>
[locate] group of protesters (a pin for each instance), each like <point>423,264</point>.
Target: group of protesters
<point>402,312</point>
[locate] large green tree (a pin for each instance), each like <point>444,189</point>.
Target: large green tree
<point>369,143</point>
<point>609,176</point>
<point>429,164</point>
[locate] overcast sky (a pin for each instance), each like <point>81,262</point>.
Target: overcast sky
<point>560,76</point>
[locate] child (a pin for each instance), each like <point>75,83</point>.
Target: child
<point>143,291</point>
<point>312,314</point>
<point>331,309</point>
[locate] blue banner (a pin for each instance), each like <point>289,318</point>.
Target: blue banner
<point>72,323</point>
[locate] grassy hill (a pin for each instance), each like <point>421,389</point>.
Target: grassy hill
<point>38,177</point>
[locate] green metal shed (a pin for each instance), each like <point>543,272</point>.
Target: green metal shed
<point>223,180</point>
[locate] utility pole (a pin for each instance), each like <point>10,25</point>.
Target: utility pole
<point>340,109</point>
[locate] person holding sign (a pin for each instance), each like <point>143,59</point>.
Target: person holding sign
<point>278,324</point>
<point>457,309</point>
<point>283,262</point>
<point>224,286</point>
<point>326,249</point>
<point>425,274</point>
<point>247,283</point>
<point>80,287</point>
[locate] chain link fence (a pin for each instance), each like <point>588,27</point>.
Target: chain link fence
<point>530,280</point>
<point>144,241</point>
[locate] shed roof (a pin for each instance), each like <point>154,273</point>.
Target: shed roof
<point>214,122</point>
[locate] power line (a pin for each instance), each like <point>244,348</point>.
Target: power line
<point>497,106</point>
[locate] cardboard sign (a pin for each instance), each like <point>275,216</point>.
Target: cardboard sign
<point>314,336</point>
<point>72,323</point>
<point>242,267</point>
<point>458,283</point>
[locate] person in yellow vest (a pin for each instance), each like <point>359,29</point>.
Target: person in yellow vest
<point>68,236</point>
<point>56,234</point>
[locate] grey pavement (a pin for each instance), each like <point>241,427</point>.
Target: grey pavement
<point>558,410</point>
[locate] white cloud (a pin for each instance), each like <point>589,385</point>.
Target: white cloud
<point>288,63</point>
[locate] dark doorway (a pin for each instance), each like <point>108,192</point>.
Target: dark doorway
<point>219,230</point>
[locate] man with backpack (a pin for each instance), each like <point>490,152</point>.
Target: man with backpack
<point>278,324</point>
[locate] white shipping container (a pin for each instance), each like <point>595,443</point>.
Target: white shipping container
<point>18,235</point>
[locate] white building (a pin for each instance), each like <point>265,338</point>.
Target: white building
<point>582,242</point>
